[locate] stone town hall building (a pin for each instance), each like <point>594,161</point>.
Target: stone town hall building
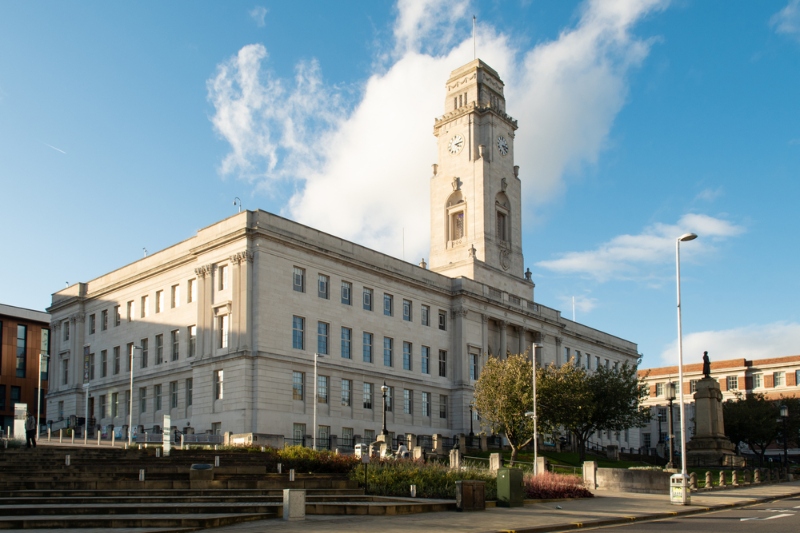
<point>223,327</point>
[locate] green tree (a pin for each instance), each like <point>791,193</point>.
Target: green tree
<point>582,402</point>
<point>752,419</point>
<point>503,393</point>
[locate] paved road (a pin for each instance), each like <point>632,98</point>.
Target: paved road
<point>779,516</point>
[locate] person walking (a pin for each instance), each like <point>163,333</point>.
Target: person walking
<point>30,431</point>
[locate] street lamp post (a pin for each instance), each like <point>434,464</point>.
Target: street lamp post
<point>670,399</point>
<point>316,399</point>
<point>384,390</point>
<point>785,418</point>
<point>39,392</point>
<point>685,478</point>
<point>533,415</point>
<point>130,405</point>
<point>471,407</point>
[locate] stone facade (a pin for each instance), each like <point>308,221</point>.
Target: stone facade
<point>262,294</point>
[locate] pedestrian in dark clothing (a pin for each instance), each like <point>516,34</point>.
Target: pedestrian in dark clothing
<point>30,431</point>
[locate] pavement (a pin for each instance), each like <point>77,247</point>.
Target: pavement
<point>606,508</point>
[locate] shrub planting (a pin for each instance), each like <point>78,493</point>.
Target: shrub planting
<point>550,486</point>
<point>302,460</point>
<point>433,480</point>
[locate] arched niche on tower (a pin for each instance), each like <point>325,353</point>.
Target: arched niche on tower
<point>456,216</point>
<point>502,218</point>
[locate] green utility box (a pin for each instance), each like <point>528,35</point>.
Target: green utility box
<point>510,490</point>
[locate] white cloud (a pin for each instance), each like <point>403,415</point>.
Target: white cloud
<point>756,341</point>
<point>787,20</point>
<point>709,195</point>
<point>258,14</point>
<point>626,256</point>
<point>363,173</point>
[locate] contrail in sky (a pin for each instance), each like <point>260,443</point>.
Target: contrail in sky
<point>54,148</point>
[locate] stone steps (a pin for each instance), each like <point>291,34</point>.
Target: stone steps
<point>106,522</point>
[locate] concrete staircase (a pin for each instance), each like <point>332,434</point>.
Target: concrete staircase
<point>101,490</point>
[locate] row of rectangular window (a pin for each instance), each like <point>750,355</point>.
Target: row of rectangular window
<point>157,399</point>
<point>323,385</point>
<point>144,361</point>
<point>144,309</point>
<point>323,291</point>
<point>323,337</point>
<point>579,359</point>
<point>732,382</point>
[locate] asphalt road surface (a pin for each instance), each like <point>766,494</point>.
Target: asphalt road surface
<point>778,516</point>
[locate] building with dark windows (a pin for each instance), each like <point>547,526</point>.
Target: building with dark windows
<point>24,335</point>
<point>220,331</point>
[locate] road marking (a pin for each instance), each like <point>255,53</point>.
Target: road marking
<point>783,515</point>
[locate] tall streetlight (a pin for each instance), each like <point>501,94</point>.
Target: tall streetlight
<point>785,418</point>
<point>130,405</point>
<point>670,399</point>
<point>316,399</point>
<point>471,408</point>
<point>384,390</point>
<point>39,392</point>
<point>533,415</point>
<point>685,498</point>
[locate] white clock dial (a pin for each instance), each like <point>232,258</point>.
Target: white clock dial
<point>456,144</point>
<point>502,145</point>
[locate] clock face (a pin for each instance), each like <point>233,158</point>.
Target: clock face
<point>456,144</point>
<point>502,145</point>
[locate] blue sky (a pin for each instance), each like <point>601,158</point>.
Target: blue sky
<point>126,126</point>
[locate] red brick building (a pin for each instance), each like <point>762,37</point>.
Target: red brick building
<point>24,335</point>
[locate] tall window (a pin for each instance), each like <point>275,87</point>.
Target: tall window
<point>65,371</point>
<point>298,380</point>
<point>222,331</point>
<point>173,394</point>
<point>388,302</point>
<point>298,433</point>
<point>443,320</point>
<point>426,404</point>
<point>145,306</point>
<point>367,299</point>
<point>130,356</point>
<point>192,340</point>
<point>92,323</point>
<point>406,355</point>
<point>442,363</point>
<point>693,384</point>
<point>159,301</point>
<point>65,329</point>
<point>780,379</point>
<point>127,405</point>
<point>298,332</point>
<point>114,404</point>
<point>218,384</point>
<point>347,386</point>
<point>387,351</point>
<point>103,363</point>
<point>223,277</point>
<point>733,383</point>
<point>408,399</point>
<point>659,389</point>
<point>426,359</point>
<point>189,387</point>
<point>91,366</point>
<point>117,317</point>
<point>192,291</point>
<point>176,345</point>
<point>157,397</point>
<point>322,337</point>
<point>299,279</point>
<point>104,320</point>
<point>322,389</point>
<point>2,397</point>
<point>473,366</point>
<point>442,406</point>
<point>142,399</point>
<point>347,336</point>
<point>323,283</point>
<point>103,406</point>
<point>44,348</point>
<point>116,360</point>
<point>347,293</point>
<point>22,350</point>
<point>426,315</point>
<point>389,396</point>
<point>159,349</point>
<point>175,296</point>
<point>502,229</point>
<point>367,395</point>
<point>130,311</point>
<point>407,310</point>
<point>457,225</point>
<point>367,350</point>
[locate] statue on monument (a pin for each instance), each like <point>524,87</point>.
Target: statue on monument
<point>706,365</point>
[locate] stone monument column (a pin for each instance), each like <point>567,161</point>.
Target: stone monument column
<point>709,445</point>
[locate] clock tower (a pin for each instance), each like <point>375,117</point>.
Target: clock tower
<point>476,228</point>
